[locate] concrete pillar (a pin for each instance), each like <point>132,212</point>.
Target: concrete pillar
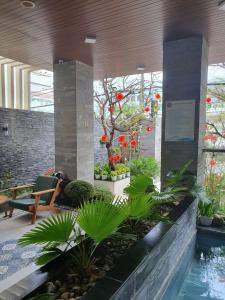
<point>26,88</point>
<point>74,138</point>
<point>185,65</point>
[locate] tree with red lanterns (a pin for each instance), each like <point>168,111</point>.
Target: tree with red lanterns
<point>121,116</point>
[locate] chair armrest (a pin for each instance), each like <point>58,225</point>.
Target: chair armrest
<point>20,187</point>
<point>42,192</point>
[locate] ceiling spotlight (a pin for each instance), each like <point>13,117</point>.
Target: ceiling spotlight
<point>27,3</point>
<point>140,68</point>
<point>222,5</point>
<point>90,40</point>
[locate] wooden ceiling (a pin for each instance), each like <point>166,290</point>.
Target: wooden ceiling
<point>129,32</point>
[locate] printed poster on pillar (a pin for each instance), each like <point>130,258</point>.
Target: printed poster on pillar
<point>180,121</point>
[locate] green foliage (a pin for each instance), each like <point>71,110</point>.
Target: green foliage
<point>79,190</point>
<point>104,173</point>
<point>115,150</point>
<point>144,166</point>
<point>181,178</point>
<point>102,193</point>
<point>47,296</point>
<point>101,218</point>
<point>113,173</point>
<point>98,169</point>
<point>143,198</point>
<point>51,233</point>
<point>206,208</point>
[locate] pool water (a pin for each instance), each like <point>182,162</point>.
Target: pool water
<point>204,277</point>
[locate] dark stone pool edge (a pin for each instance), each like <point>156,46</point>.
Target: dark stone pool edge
<point>138,270</point>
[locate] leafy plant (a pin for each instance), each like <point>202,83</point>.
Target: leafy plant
<point>113,173</point>
<point>98,169</point>
<point>102,193</point>
<point>79,191</point>
<point>104,173</point>
<point>46,296</point>
<point>144,166</point>
<point>206,208</point>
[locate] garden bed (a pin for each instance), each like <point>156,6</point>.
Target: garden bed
<point>126,265</point>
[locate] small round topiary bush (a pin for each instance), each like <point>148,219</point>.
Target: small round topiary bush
<point>102,193</point>
<point>79,191</point>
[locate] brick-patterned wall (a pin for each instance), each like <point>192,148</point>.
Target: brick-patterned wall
<point>29,148</point>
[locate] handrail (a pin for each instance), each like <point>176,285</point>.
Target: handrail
<point>213,150</point>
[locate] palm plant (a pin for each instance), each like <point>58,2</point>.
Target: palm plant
<point>59,233</point>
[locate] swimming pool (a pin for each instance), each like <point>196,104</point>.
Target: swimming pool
<point>202,272</point>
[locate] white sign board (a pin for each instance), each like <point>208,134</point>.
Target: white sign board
<point>180,121</point>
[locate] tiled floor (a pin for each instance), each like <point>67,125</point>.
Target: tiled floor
<point>12,229</point>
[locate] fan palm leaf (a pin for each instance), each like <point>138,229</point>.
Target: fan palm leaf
<point>100,219</point>
<point>51,232</point>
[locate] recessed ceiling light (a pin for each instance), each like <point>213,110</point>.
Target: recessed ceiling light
<point>222,5</point>
<point>90,40</point>
<point>140,68</point>
<point>27,3</point>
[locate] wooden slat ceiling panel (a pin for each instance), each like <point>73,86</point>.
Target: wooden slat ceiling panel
<point>129,32</point>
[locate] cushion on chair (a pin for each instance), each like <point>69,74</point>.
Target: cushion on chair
<point>24,203</point>
<point>45,183</point>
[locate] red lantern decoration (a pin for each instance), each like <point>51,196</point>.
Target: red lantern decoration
<point>133,133</point>
<point>104,138</point>
<point>121,138</point>
<point>133,143</point>
<point>157,96</point>
<point>212,162</point>
<point>208,100</point>
<point>111,109</point>
<point>147,109</point>
<point>119,96</point>
<point>149,129</point>
<point>118,157</point>
<point>111,157</point>
<point>125,145</point>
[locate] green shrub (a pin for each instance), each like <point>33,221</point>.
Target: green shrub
<point>144,166</point>
<point>79,191</point>
<point>102,193</point>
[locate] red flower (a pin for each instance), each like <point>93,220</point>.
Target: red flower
<point>208,100</point>
<point>111,157</point>
<point>212,162</point>
<point>121,138</point>
<point>133,143</point>
<point>133,133</point>
<point>104,137</point>
<point>149,129</point>
<point>212,137</point>
<point>157,96</point>
<point>118,157</point>
<point>119,96</point>
<point>111,109</point>
<point>125,145</point>
<point>147,109</point>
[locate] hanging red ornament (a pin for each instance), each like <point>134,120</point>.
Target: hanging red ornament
<point>118,157</point>
<point>149,129</point>
<point>208,100</point>
<point>212,162</point>
<point>147,109</point>
<point>157,96</point>
<point>133,133</point>
<point>104,138</point>
<point>121,138</point>
<point>111,109</point>
<point>111,157</point>
<point>119,96</point>
<point>133,143</point>
<point>125,145</point>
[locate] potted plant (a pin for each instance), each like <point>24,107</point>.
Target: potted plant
<point>113,175</point>
<point>97,172</point>
<point>206,211</point>
<point>127,172</point>
<point>119,174</point>
<point>104,175</point>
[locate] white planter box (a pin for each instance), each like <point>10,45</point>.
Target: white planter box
<point>116,187</point>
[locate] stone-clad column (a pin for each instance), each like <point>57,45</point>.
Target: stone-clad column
<point>74,139</point>
<point>185,65</point>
